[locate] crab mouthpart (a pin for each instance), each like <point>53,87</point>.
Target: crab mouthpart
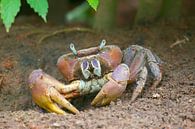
<point>90,68</point>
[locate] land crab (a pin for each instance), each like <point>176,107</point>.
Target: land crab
<point>105,69</point>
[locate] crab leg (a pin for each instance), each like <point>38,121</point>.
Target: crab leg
<point>141,80</point>
<point>137,64</point>
<point>46,90</point>
<point>135,58</point>
<point>154,63</point>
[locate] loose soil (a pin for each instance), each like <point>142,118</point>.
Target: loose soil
<point>170,106</point>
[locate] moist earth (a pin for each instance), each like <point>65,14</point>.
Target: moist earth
<point>170,106</point>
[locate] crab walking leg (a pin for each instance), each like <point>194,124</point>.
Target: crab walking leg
<point>135,58</point>
<point>114,87</point>
<point>154,63</point>
<point>141,80</point>
<point>45,92</point>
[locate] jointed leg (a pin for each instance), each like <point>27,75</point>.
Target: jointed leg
<point>135,58</point>
<point>141,80</point>
<point>153,63</point>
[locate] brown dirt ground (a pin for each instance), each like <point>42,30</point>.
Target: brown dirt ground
<point>174,106</point>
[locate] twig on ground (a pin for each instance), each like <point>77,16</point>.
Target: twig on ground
<point>179,42</point>
<point>27,34</point>
<point>1,79</point>
<point>63,31</point>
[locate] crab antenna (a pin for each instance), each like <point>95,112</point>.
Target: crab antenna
<point>102,44</point>
<point>72,48</point>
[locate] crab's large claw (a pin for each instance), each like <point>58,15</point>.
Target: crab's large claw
<point>46,91</point>
<point>114,87</point>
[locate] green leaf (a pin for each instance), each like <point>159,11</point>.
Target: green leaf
<point>0,7</point>
<point>39,6</point>
<point>9,10</point>
<point>93,3</point>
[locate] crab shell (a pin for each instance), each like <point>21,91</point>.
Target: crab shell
<point>69,65</point>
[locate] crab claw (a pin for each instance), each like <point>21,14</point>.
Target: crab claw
<point>114,87</point>
<point>45,92</point>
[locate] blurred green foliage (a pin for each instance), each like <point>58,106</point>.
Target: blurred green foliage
<point>148,10</point>
<point>81,14</point>
<point>93,3</point>
<point>41,7</point>
<point>106,17</point>
<point>10,8</point>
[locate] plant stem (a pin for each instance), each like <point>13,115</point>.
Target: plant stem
<point>171,9</point>
<point>105,18</point>
<point>148,10</point>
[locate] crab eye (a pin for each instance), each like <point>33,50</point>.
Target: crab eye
<point>96,67</point>
<point>85,69</point>
<point>85,64</point>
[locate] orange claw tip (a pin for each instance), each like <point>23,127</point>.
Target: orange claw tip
<point>36,74</point>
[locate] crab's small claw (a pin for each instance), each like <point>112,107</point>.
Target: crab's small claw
<point>114,87</point>
<point>45,93</point>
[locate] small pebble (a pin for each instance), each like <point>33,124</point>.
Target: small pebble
<point>190,101</point>
<point>156,95</point>
<point>56,125</point>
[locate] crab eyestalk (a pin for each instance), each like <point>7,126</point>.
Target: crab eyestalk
<point>72,48</point>
<point>102,44</point>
